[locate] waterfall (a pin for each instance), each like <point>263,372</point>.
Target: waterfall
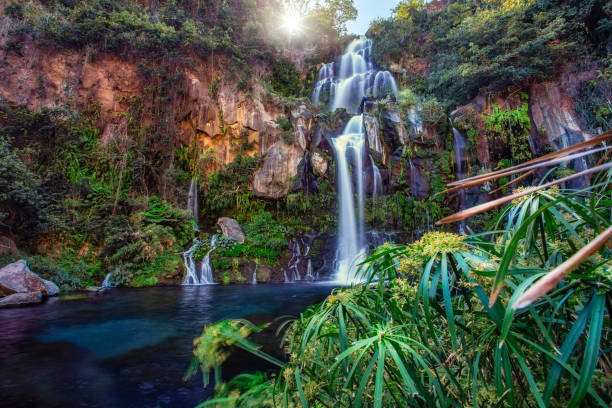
<point>459,149</point>
<point>192,201</point>
<point>349,250</point>
<point>206,271</point>
<point>352,78</point>
<point>376,179</point>
<point>192,275</point>
<point>106,283</point>
<point>413,179</point>
<point>416,123</point>
<point>347,83</point>
<point>254,281</point>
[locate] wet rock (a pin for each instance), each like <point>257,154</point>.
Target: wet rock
<point>319,163</point>
<point>21,299</point>
<point>302,122</point>
<point>275,178</point>
<point>554,117</point>
<point>304,180</point>
<point>231,229</point>
<point>18,278</point>
<point>8,246</point>
<point>372,130</point>
<point>96,289</point>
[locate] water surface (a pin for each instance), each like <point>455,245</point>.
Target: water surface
<point>130,347</point>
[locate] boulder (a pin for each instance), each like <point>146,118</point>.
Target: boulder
<point>231,229</point>
<point>277,175</point>
<point>21,299</point>
<point>319,163</point>
<point>18,278</point>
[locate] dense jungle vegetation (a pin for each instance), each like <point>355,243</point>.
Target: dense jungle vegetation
<point>441,321</point>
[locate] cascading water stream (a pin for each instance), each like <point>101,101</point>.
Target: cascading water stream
<point>376,179</point>
<point>349,250</point>
<point>192,201</point>
<point>206,272</point>
<point>106,283</point>
<point>459,149</point>
<point>344,85</point>
<point>192,274</point>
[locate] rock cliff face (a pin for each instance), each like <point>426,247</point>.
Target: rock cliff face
<point>219,116</point>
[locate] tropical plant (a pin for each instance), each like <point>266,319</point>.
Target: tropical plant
<point>455,320</point>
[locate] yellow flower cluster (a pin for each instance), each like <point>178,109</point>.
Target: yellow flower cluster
<point>437,242</point>
<point>551,191</point>
<point>340,296</point>
<point>402,290</point>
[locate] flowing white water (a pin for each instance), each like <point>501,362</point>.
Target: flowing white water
<point>254,280</point>
<point>206,271</point>
<point>376,178</point>
<point>344,85</point>
<point>192,201</point>
<point>107,281</point>
<point>349,249</point>
<point>191,278</point>
<point>459,148</point>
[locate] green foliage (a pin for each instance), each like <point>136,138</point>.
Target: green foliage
<point>85,201</point>
<point>424,331</point>
<point>471,45</point>
<point>265,238</point>
<point>23,202</point>
<point>512,126</point>
<point>285,79</point>
<point>229,188</point>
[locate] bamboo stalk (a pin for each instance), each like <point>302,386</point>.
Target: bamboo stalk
<point>490,177</point>
<point>496,203</point>
<point>552,278</point>
<point>574,148</point>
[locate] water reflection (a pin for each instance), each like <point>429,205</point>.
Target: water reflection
<point>129,348</point>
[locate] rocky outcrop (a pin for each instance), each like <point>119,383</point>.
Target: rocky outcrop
<point>385,130</point>
<point>231,229</point>
<point>281,166</point>
<point>20,286</point>
<point>21,299</point>
<point>553,116</point>
<point>17,278</point>
<point>215,113</point>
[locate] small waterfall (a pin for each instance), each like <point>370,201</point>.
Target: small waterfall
<point>106,283</point>
<point>309,272</point>
<point>192,274</point>
<point>206,270</point>
<point>254,281</point>
<point>376,178</point>
<point>459,148</point>
<point>413,178</point>
<point>416,123</point>
<point>192,201</point>
<point>347,83</point>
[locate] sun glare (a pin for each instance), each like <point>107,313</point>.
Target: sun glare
<point>291,22</point>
